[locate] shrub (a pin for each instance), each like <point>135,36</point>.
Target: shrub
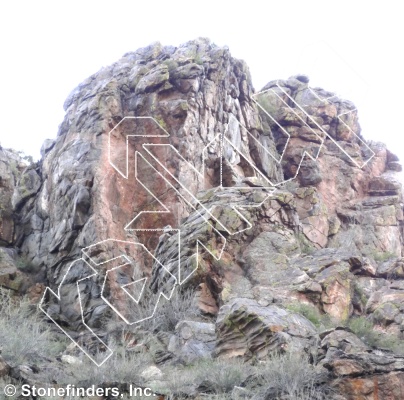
<point>180,307</point>
<point>122,366</point>
<point>287,376</point>
<point>23,264</point>
<point>23,336</point>
<point>364,329</point>
<point>222,375</point>
<point>28,158</point>
<point>198,59</point>
<point>392,343</point>
<point>381,256</point>
<point>360,294</point>
<point>311,312</point>
<point>290,376</point>
<point>214,376</point>
<point>171,64</point>
<point>291,185</point>
<point>306,246</point>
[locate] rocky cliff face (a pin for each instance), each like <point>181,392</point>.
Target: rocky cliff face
<point>259,202</point>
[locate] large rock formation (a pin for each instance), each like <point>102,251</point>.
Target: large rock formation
<point>250,198</point>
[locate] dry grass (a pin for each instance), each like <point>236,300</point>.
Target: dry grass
<point>290,376</point>
<point>24,337</point>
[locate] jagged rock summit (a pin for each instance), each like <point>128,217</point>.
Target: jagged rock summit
<point>257,201</point>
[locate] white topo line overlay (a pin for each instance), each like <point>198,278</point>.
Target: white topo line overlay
<point>313,121</point>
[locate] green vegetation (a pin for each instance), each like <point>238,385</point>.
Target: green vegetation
<point>383,256</point>
<point>306,246</point>
<point>14,169</point>
<point>161,122</point>
<point>360,293</point>
<point>25,265</point>
<point>198,59</point>
<point>364,329</point>
<point>311,312</point>
<point>290,185</point>
<point>360,325</point>
<point>171,64</point>
<point>26,157</point>
<point>264,100</point>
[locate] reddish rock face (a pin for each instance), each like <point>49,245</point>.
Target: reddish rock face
<point>378,387</point>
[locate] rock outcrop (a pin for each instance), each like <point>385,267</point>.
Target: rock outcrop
<point>261,202</point>
<point>11,166</point>
<point>360,372</point>
<point>248,329</point>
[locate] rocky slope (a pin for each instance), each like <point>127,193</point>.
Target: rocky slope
<point>270,206</point>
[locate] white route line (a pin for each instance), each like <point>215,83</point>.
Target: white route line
<point>325,100</point>
<point>197,202</point>
<point>58,296</point>
<point>194,207</point>
<point>86,255</point>
<point>125,286</point>
<point>125,175</point>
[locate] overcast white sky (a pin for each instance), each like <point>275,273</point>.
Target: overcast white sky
<point>49,47</point>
